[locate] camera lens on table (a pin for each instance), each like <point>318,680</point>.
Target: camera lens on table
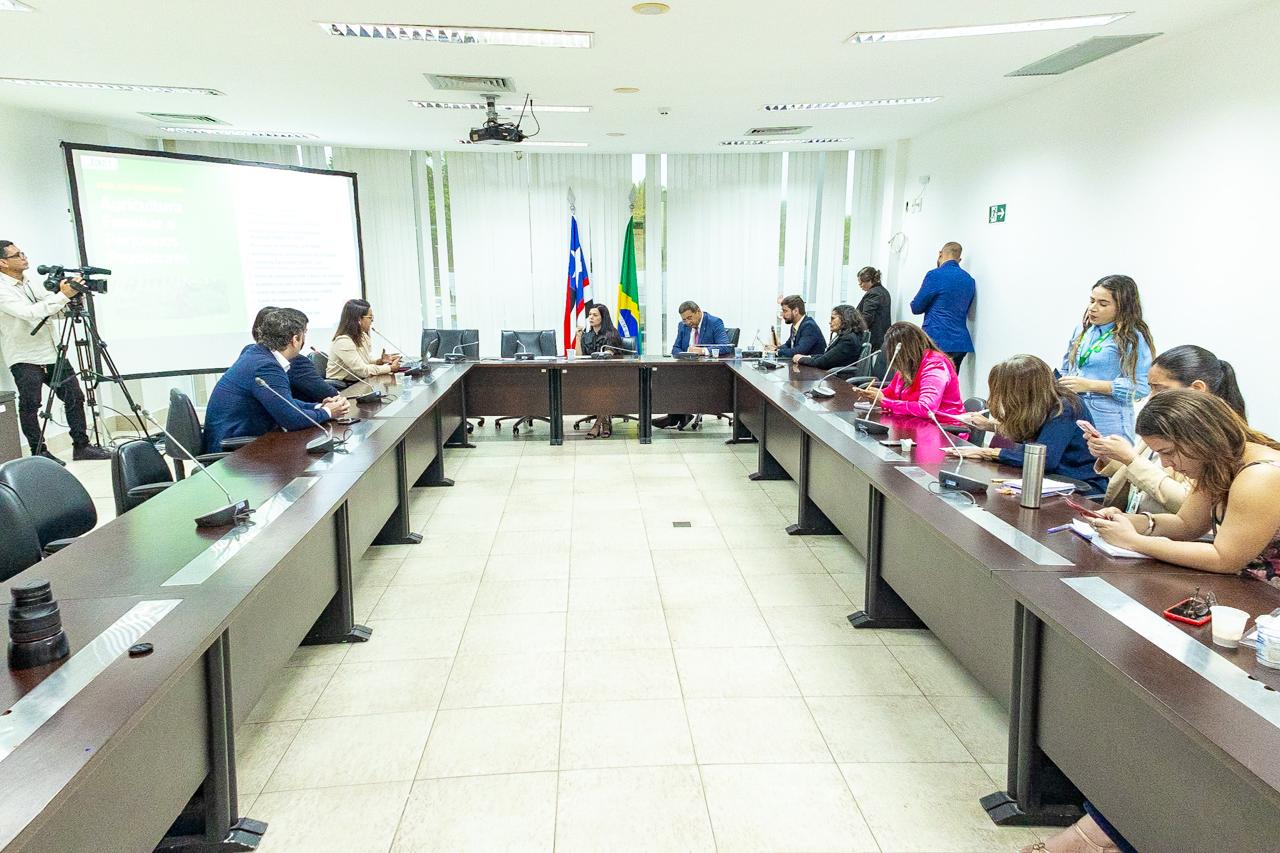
<point>35,626</point>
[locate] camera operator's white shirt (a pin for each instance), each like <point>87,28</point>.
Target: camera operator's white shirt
<point>21,310</point>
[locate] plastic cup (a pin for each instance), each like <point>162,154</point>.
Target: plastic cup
<point>906,444</point>
<point>1228,625</point>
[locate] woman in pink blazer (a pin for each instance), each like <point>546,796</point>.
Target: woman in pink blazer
<point>925,379</point>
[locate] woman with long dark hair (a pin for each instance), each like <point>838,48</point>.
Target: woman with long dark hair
<point>1109,354</point>
<point>600,336</point>
<point>925,378</point>
<point>848,334</point>
<point>1137,480</point>
<point>350,347</point>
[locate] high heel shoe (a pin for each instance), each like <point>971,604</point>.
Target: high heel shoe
<point>594,432</point>
<point>608,428</point>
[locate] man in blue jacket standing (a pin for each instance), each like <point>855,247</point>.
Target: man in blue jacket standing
<point>944,300</point>
<point>805,338</point>
<point>239,406</point>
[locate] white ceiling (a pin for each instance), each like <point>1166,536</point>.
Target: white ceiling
<point>711,63</point>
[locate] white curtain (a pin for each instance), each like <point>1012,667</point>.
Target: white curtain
<point>864,232</point>
<point>814,249</point>
<point>722,238</point>
<point>389,235</point>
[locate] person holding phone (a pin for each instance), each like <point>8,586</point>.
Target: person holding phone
<point>1137,480</point>
<point>1027,405</point>
<point>925,379</point>
<point>1109,355</point>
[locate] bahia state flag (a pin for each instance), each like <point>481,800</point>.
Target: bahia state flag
<point>629,289</point>
<point>577,296</point>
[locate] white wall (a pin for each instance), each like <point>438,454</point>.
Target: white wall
<point>1160,162</point>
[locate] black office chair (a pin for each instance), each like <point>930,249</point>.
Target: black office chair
<point>628,343</point>
<point>19,546</point>
<point>138,473</point>
<point>734,336</point>
<point>321,361</point>
<point>853,376</point>
<point>977,436</point>
<point>437,343</point>
<point>183,424</point>
<point>540,343</point>
<point>59,507</point>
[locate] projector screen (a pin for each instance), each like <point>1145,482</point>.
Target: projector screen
<point>197,245</point>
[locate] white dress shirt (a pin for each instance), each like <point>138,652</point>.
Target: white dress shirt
<point>22,307</point>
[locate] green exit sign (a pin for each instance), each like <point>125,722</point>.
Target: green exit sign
<point>995,213</point>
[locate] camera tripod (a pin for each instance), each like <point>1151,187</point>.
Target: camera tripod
<point>80,330</point>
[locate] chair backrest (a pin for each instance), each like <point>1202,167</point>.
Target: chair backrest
<point>465,341</point>
<point>135,463</point>
<point>734,334</point>
<point>632,344</point>
<point>538,342</point>
<point>321,361</point>
<point>59,506</point>
<point>183,424</point>
<point>19,546</point>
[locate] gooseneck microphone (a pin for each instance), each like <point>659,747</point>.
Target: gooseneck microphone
<point>318,445</point>
<point>522,354</point>
<point>823,390</point>
<point>954,479</point>
<point>234,512</point>
<point>454,356</point>
<point>374,395</point>
<point>866,424</point>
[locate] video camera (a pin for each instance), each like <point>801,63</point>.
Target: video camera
<point>56,275</point>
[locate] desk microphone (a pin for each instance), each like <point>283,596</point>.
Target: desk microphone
<point>374,395</point>
<point>824,390</point>
<point>453,356</point>
<point>866,424</point>
<point>234,512</point>
<point>599,354</point>
<point>524,353</point>
<point>954,479</point>
<point>318,445</point>
<point>411,366</point>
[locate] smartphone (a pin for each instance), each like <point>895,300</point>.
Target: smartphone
<point>346,421</point>
<point>1089,430</point>
<point>1082,509</point>
<point>891,442</point>
<point>1182,612</point>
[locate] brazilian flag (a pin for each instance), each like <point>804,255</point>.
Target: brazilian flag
<point>629,289</point>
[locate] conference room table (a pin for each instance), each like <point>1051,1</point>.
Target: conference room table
<point>1174,740</point>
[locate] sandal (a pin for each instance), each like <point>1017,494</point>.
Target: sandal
<point>608,428</point>
<point>594,432</point>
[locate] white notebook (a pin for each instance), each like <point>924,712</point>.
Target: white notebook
<point>1047,488</point>
<point>1084,531</point>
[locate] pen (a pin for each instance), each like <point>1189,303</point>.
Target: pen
<point>1059,528</point>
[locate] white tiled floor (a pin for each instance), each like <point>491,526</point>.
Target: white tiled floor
<point>557,667</point>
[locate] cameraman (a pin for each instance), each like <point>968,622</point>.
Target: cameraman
<point>31,357</point>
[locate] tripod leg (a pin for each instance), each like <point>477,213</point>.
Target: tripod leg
<point>54,381</point>
<point>98,345</point>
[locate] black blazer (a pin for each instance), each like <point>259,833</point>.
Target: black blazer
<point>876,308</point>
<point>845,349</point>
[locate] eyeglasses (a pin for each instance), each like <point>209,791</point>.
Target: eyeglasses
<point>14,255</point>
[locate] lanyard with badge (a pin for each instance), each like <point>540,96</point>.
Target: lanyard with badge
<point>1093,349</point>
<point>1136,495</point>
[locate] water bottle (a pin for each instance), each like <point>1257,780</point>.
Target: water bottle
<point>1032,475</point>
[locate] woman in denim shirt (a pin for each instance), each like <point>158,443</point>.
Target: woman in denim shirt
<point>1109,355</point>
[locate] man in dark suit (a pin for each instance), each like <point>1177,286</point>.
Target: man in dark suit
<point>805,338</point>
<point>944,299</point>
<point>239,406</point>
<point>700,333</point>
<point>305,381</point>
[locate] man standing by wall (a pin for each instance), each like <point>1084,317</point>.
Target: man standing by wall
<point>944,300</point>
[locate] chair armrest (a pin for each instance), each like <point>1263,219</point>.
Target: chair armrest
<point>859,380</point>
<point>232,444</point>
<point>58,544</point>
<point>148,490</point>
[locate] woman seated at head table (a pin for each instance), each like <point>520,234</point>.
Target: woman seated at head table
<point>1236,471</point>
<point>600,336</point>
<point>1028,405</point>
<point>1138,482</point>
<point>350,347</point>
<point>926,380</point>
<point>848,335</point>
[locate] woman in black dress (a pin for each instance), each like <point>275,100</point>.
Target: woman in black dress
<point>600,336</point>
<point>848,334</point>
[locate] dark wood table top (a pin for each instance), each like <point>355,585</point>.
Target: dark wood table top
<point>1181,694</point>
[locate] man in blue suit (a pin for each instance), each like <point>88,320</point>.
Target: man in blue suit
<point>805,338</point>
<point>239,406</point>
<point>700,333</point>
<point>304,380</point>
<point>944,300</point>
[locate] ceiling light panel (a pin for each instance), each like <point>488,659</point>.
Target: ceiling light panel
<point>831,141</point>
<point>112,87</point>
<point>459,35</point>
<point>264,134</point>
<point>988,29</point>
<point>14,6</point>
<point>502,108</point>
<point>849,105</point>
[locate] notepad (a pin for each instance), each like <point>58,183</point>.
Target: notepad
<point>1084,531</point>
<point>1047,488</point>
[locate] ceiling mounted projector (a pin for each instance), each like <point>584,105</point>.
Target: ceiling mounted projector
<point>494,132</point>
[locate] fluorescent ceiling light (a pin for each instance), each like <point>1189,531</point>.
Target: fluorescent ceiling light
<point>547,144</point>
<point>217,131</point>
<point>114,87</point>
<point>849,105</point>
<point>989,29</point>
<point>459,35</point>
<point>14,6</point>
<point>502,108</point>
<point>830,141</point>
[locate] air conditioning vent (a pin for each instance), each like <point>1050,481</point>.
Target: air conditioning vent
<point>1080,54</point>
<point>794,130</point>
<point>182,118</point>
<point>465,83</point>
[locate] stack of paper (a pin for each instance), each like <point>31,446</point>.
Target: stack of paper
<point>1084,531</point>
<point>1047,488</point>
